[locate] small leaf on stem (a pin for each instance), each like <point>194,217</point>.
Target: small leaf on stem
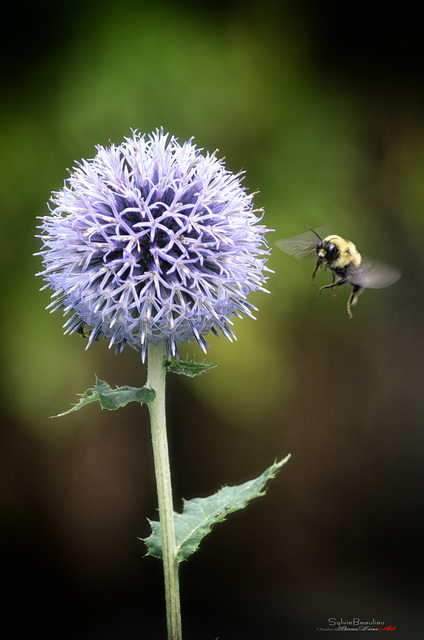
<point>200,514</point>
<point>188,367</point>
<point>111,399</point>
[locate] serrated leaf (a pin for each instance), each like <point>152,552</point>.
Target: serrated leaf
<point>188,367</point>
<point>111,399</point>
<point>200,514</point>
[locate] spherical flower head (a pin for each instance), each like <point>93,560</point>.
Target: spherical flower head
<point>152,241</point>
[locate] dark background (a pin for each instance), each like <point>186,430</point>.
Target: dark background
<point>322,105</point>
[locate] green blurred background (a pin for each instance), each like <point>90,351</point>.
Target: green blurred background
<point>322,105</point>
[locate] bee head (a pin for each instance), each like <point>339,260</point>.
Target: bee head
<point>327,250</point>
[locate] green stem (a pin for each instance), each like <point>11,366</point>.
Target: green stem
<point>156,380</point>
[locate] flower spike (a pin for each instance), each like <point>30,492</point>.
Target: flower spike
<point>152,241</point>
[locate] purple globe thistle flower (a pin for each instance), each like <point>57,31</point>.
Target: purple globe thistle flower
<point>152,241</point>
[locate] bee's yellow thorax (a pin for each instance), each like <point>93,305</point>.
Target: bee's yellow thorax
<point>348,252</point>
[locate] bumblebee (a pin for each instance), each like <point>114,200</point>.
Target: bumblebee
<point>344,261</point>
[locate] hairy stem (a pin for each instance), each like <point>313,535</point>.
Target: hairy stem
<point>156,380</point>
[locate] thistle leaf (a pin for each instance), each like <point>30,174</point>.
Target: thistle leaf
<point>188,367</point>
<point>111,399</point>
<point>200,514</point>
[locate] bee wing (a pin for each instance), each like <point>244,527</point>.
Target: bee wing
<point>300,246</point>
<point>374,275</point>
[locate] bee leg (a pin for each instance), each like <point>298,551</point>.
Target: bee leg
<point>353,299</point>
<point>319,263</point>
<point>333,284</point>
